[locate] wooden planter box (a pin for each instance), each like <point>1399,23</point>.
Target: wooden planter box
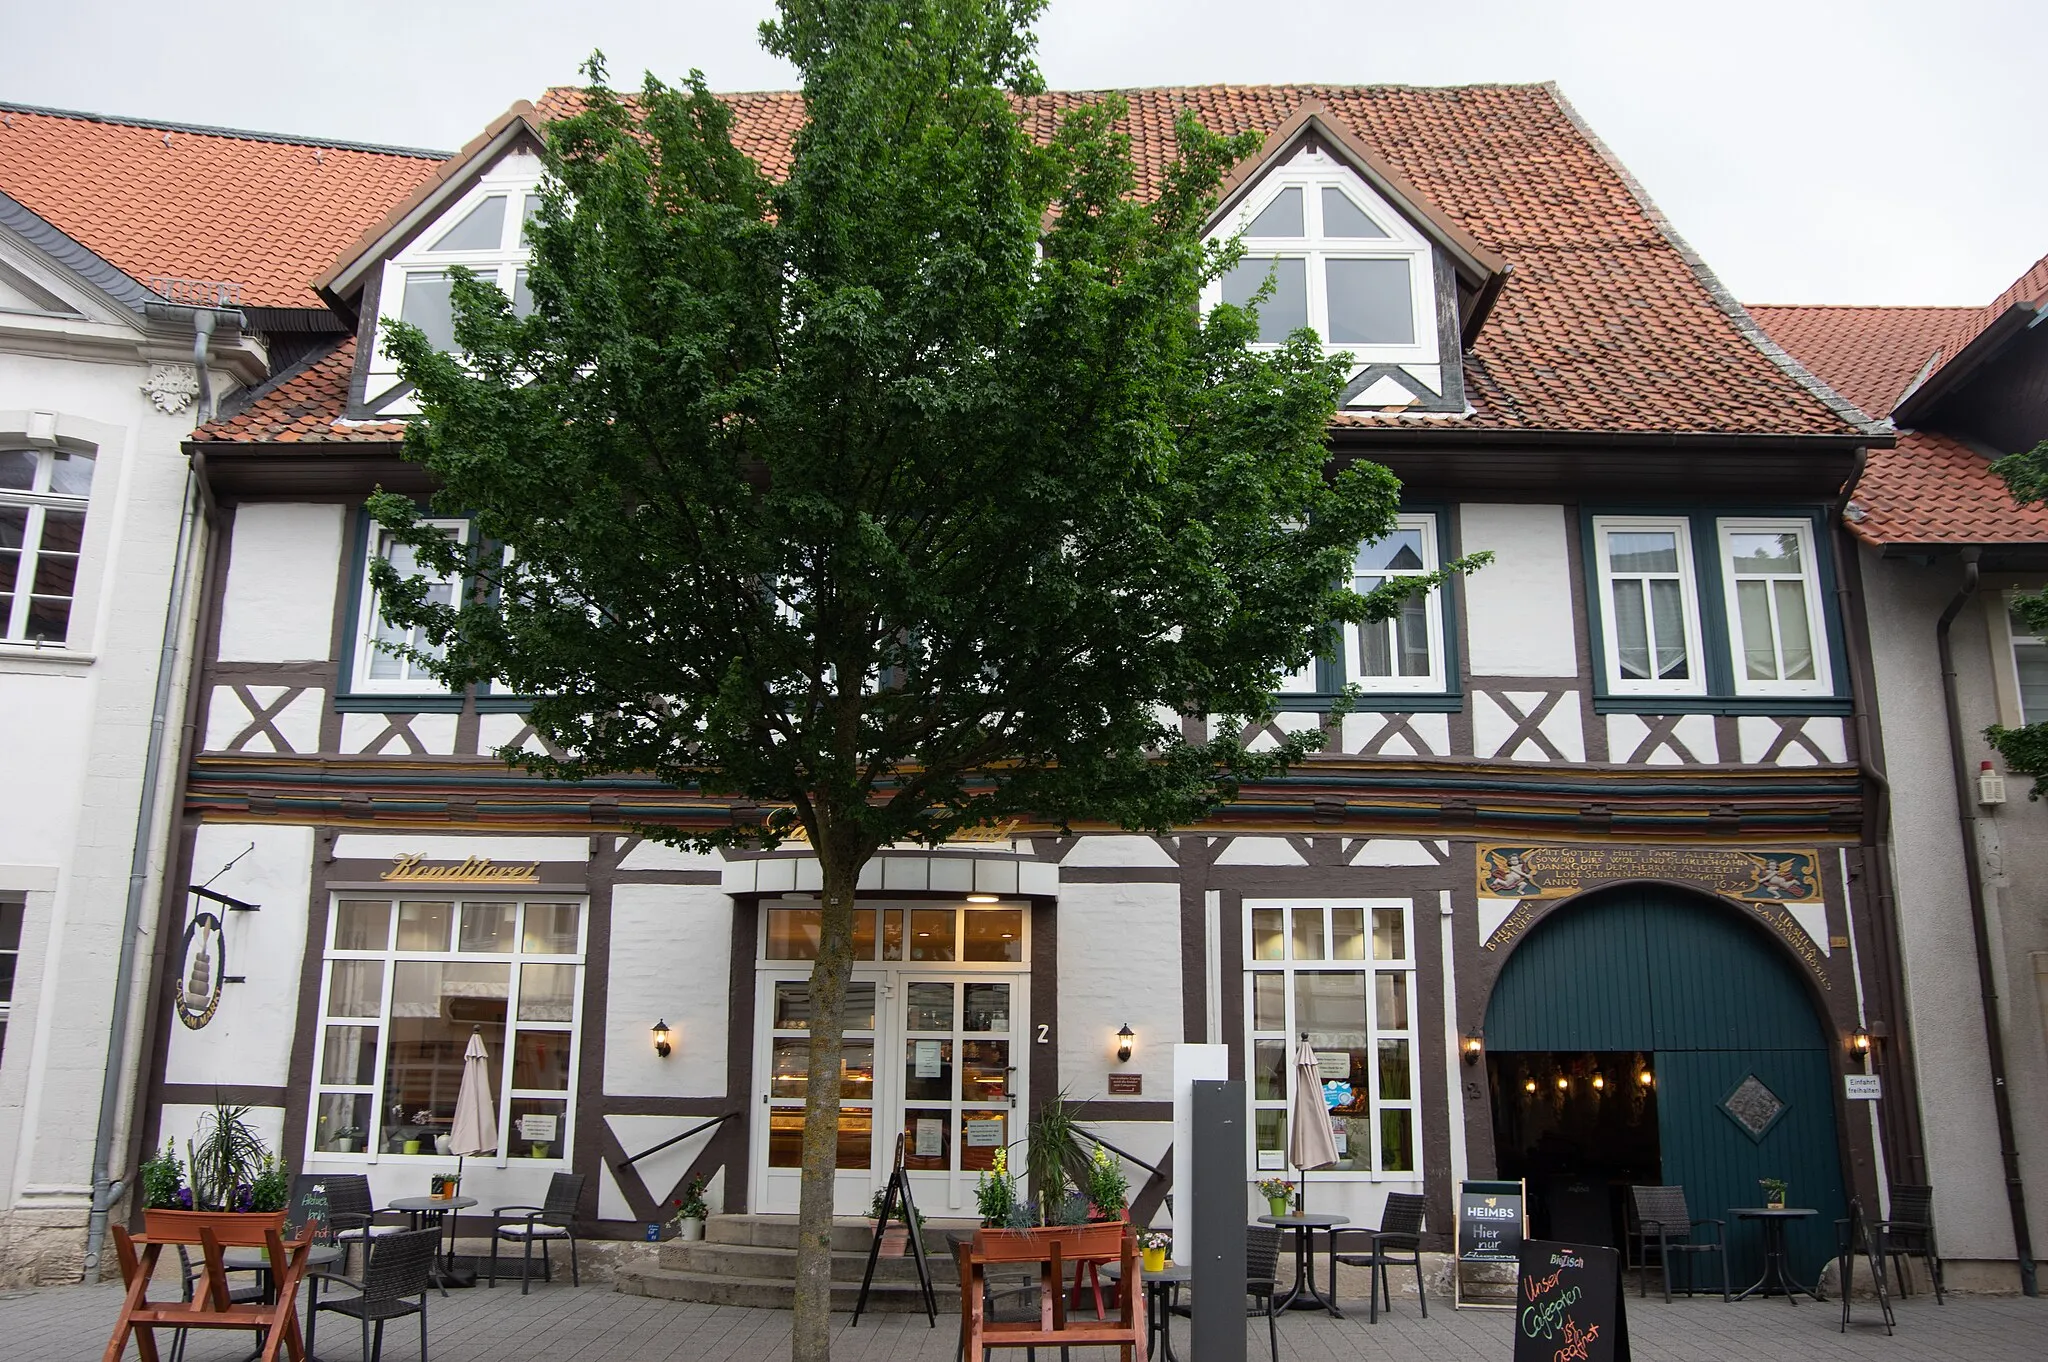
<point>237,1229</point>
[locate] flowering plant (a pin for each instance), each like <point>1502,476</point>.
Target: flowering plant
<point>690,1205</point>
<point>1154,1239</point>
<point>995,1195</point>
<point>1274,1187</point>
<point>1108,1189</point>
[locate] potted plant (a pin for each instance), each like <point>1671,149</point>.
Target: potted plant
<point>895,1236</point>
<point>1108,1189</point>
<point>995,1196</point>
<point>691,1212</point>
<point>349,1140</point>
<point>1278,1192</point>
<point>1774,1192</point>
<point>236,1188</point>
<point>1154,1245</point>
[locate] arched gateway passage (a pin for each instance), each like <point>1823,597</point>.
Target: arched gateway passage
<point>1648,1034</point>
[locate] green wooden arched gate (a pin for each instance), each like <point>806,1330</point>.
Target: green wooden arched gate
<point>1745,1087</point>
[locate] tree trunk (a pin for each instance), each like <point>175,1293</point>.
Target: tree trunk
<point>810,1327</point>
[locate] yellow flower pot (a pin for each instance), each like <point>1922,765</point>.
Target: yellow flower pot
<point>1155,1260</point>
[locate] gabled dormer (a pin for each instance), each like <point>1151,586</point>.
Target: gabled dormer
<point>1361,258</point>
<point>473,213</point>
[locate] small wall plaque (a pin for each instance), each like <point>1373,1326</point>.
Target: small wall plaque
<point>1862,1087</point>
<point>1126,1085</point>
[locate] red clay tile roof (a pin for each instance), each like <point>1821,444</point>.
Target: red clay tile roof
<point>1932,488</point>
<point>1607,322</point>
<point>300,405</point>
<point>263,212</point>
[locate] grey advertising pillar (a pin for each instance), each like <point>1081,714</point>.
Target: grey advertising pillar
<point>1217,1256</point>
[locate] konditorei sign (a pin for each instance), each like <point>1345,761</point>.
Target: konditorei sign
<point>414,868</point>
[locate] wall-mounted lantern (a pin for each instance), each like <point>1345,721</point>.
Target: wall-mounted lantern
<point>1860,1041</point>
<point>662,1044</point>
<point>1125,1038</point>
<point>1471,1047</point>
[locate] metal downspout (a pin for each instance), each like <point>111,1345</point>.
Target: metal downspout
<point>107,1189</point>
<point>1980,928</point>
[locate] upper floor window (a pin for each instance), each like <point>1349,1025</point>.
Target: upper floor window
<point>1405,653</point>
<point>2030,662</point>
<point>377,665</point>
<point>485,231</point>
<point>43,495</point>
<point>1695,606</point>
<point>1341,263</point>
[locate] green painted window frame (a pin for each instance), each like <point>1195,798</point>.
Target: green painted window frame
<point>1710,592</point>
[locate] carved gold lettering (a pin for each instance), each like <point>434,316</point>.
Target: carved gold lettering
<point>412,867</point>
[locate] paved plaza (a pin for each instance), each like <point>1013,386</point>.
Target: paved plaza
<point>597,1324</point>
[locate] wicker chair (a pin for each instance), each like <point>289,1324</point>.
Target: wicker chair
<point>1660,1219</point>
<point>397,1271</point>
<point>1909,1233</point>
<point>1262,1277</point>
<point>352,1213</point>
<point>543,1224</point>
<point>1397,1243</point>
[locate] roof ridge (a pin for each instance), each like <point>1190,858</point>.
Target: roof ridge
<point>1869,307</point>
<point>1150,89</point>
<point>240,134</point>
<point>1726,301</point>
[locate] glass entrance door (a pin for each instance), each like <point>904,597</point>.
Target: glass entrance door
<point>958,1081</point>
<point>785,1032</point>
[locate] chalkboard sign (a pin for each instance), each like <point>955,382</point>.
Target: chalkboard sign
<point>1568,1304</point>
<point>309,1206</point>
<point>1491,1222</point>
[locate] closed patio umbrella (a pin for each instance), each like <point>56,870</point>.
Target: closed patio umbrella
<point>1310,1142</point>
<point>476,1115</point>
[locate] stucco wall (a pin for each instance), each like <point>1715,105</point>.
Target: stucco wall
<point>1904,602</point>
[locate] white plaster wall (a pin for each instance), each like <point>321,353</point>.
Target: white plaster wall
<point>1904,602</point>
<point>1518,608</point>
<point>182,1123</point>
<point>671,961</point>
<point>43,726</point>
<point>378,846</point>
<point>279,601</point>
<point>249,1040</point>
<point>1119,962</point>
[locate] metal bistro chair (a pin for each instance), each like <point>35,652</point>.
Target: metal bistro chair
<point>1909,1233</point>
<point>1397,1242</point>
<point>1660,1218</point>
<point>397,1272</point>
<point>555,1219</point>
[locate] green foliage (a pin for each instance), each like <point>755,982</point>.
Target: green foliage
<point>271,1190</point>
<point>226,1159</point>
<point>995,1196</point>
<point>881,1197</point>
<point>2025,749</point>
<point>1109,1191</point>
<point>691,1205</point>
<point>163,1178</point>
<point>1052,1153</point>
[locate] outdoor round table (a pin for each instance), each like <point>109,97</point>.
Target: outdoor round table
<point>1303,1294</point>
<point>440,1210</point>
<point>1777,1271</point>
<point>319,1258</point>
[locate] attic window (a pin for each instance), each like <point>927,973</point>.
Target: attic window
<point>1340,263</point>
<point>485,231</point>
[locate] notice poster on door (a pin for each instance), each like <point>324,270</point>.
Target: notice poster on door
<point>985,1134</point>
<point>1568,1304</point>
<point>931,1137</point>
<point>538,1129</point>
<point>928,1064</point>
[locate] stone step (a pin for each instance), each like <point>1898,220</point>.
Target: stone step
<point>850,1234</point>
<point>770,1293</point>
<point>753,1260</point>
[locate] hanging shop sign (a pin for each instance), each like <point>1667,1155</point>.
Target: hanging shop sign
<point>202,957</point>
<point>414,868</point>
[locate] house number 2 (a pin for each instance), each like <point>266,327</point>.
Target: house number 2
<point>1045,1033</point>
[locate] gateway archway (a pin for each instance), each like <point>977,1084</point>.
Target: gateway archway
<point>1646,1033</point>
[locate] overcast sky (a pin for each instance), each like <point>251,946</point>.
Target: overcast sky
<point>1874,152</point>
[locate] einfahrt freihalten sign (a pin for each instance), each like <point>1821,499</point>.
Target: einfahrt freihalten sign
<point>1568,1305</point>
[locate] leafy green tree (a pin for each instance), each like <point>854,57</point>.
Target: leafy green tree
<point>907,494</point>
<point>2025,749</point>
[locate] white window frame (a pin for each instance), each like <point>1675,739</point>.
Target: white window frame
<point>2019,637</point>
<point>561,1157</point>
<point>1310,173</point>
<point>1823,681</point>
<point>39,500</point>
<point>1610,640</point>
<point>19,902</point>
<point>514,178</point>
<point>1436,681</point>
<point>368,611</point>
<point>1368,968</point>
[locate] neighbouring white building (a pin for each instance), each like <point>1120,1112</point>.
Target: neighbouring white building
<point>147,270</point>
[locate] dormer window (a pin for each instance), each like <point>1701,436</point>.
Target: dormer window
<point>1341,263</point>
<point>485,231</point>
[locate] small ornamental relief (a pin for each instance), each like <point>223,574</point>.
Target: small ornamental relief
<point>172,387</point>
<point>1753,1106</point>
